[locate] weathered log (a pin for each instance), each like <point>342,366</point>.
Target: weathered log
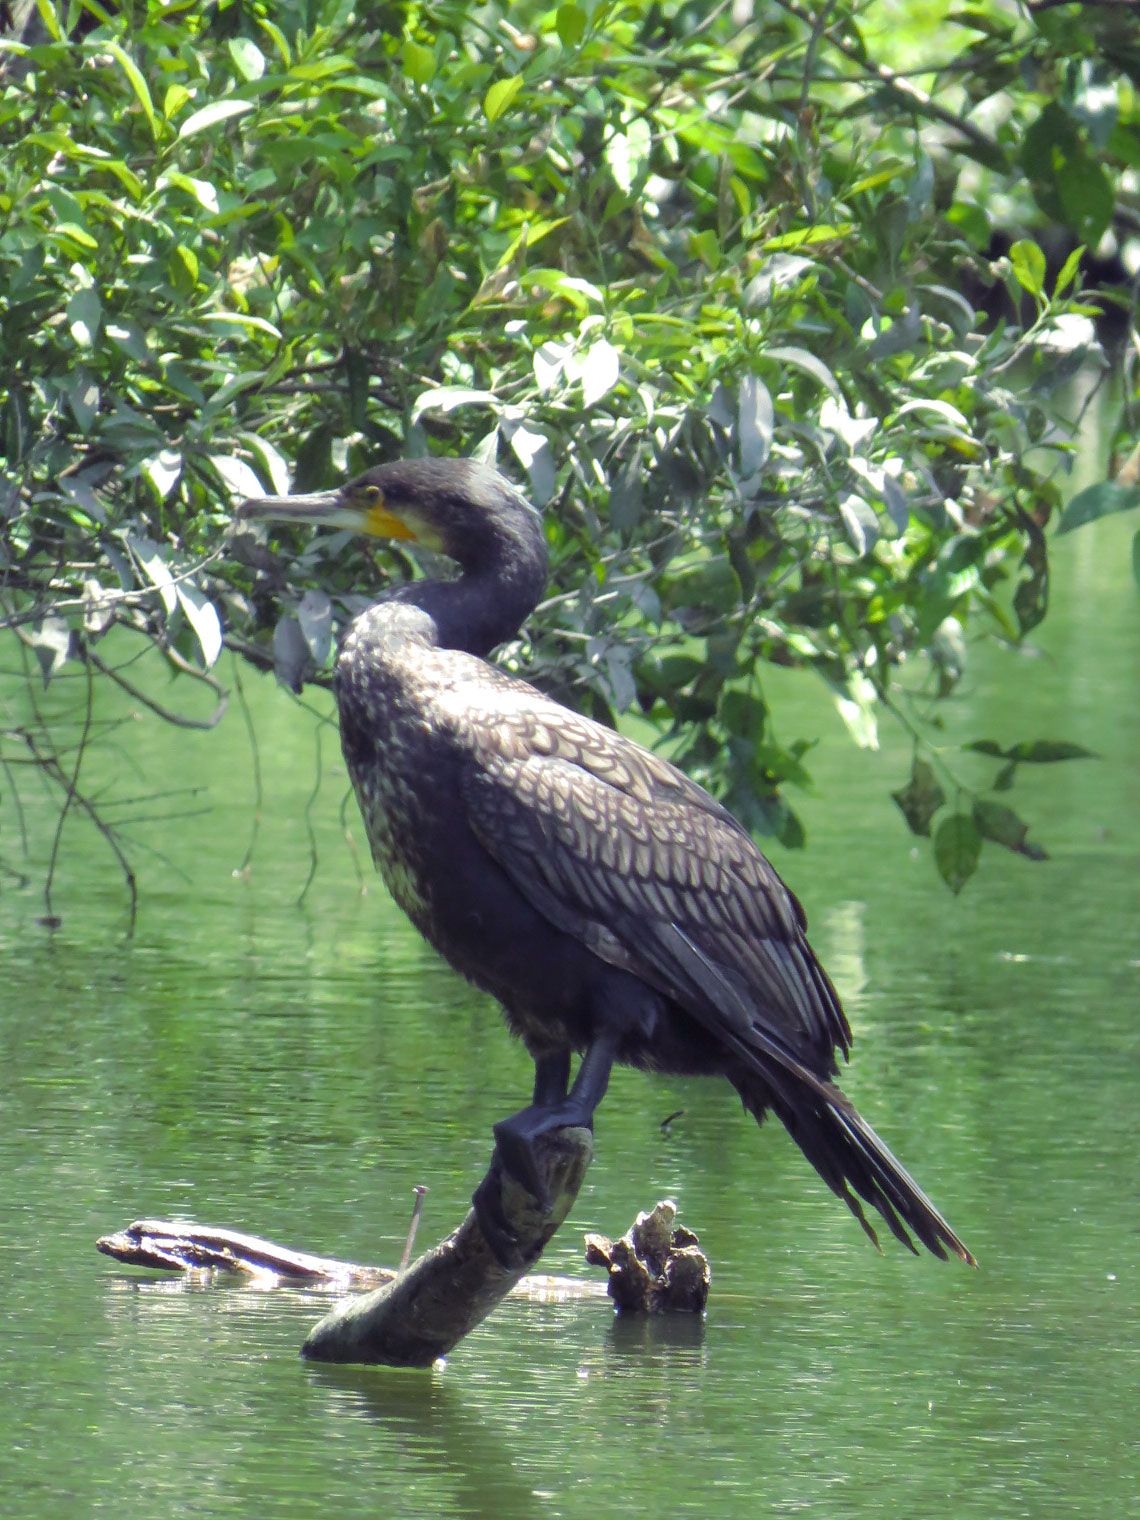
<point>426,1310</point>
<point>176,1245</point>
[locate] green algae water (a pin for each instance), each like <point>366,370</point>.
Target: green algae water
<point>297,1070</point>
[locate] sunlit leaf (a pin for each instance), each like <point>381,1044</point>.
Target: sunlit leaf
<point>51,643</point>
<point>448,398</point>
<point>314,617</point>
<point>175,98</point>
<point>163,470</point>
<point>1029,266</point>
<point>532,449</point>
<point>419,62</point>
<point>500,96</point>
<point>291,653</point>
<point>202,616</point>
<point>601,369</point>
<point>627,154</point>
<point>857,704</point>
<point>549,364</point>
<point>237,474</point>
<point>755,424</point>
<point>1068,271</point>
<point>201,189</point>
<point>152,560</point>
<point>211,115</point>
<point>248,57</point>
<point>860,520</point>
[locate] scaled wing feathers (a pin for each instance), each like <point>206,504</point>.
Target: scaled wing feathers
<point>618,847</point>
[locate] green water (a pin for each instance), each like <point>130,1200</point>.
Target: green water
<point>296,1071</point>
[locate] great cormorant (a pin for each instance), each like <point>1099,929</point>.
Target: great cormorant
<point>610,904</point>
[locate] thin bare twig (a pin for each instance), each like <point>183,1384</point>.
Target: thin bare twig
<point>309,830</point>
<point>178,719</point>
<point>255,757</point>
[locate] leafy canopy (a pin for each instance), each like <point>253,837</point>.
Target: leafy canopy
<point>715,281</point>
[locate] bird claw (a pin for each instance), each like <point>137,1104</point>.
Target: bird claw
<point>516,1155</point>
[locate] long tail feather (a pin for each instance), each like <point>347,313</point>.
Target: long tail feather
<point>851,1159</point>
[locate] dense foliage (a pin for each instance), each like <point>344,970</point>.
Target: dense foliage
<point>718,283</point>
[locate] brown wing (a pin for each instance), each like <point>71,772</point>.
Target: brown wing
<point>622,850</point>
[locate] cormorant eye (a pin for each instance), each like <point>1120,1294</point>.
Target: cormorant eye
<point>372,495</point>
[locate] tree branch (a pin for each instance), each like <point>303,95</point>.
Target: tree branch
<point>425,1311</point>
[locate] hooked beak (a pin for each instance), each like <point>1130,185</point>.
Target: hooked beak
<point>327,509</point>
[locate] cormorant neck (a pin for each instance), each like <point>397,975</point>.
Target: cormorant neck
<point>497,588</point>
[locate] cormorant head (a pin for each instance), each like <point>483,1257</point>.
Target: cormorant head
<point>456,507</point>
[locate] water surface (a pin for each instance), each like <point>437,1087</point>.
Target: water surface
<point>296,1071</point>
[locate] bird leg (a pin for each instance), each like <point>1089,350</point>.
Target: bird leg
<point>551,1079</point>
<point>553,1108</point>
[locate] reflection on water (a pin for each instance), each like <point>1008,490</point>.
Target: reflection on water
<point>297,1074</point>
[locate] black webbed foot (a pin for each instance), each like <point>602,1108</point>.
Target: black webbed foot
<point>515,1140</point>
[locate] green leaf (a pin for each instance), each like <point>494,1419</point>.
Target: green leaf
<point>499,97</point>
<point>743,714</point>
<point>184,268</point>
<point>920,799</point>
<point>1033,751</point>
<point>706,245</point>
<point>278,38</point>
<point>807,237</point>
<point>174,99</point>
<point>570,24</point>
<point>995,821</point>
<point>1067,181</point>
<point>1068,272</point>
<point>418,61</point>
<point>1098,501</point>
<point>1031,599</point>
<point>1029,266</point>
<point>200,189</point>
<point>957,848</point>
<point>137,83</point>
<point>49,19</point>
<point>800,358</point>
<point>209,116</point>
